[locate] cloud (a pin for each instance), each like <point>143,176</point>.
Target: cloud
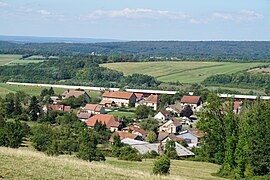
<point>44,13</point>
<point>3,4</point>
<point>243,15</point>
<point>135,13</point>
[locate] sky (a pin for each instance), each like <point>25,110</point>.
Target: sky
<point>138,19</point>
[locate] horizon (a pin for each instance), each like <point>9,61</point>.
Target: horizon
<point>154,20</point>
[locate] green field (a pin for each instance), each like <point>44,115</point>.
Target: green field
<point>29,164</point>
<point>14,59</point>
<point>35,90</point>
<point>7,58</point>
<point>121,114</point>
<point>184,71</point>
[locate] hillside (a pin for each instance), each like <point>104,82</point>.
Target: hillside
<point>27,164</point>
<point>184,71</point>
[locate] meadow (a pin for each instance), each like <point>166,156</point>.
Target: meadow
<point>182,71</point>
<point>35,90</point>
<point>14,59</point>
<point>28,164</point>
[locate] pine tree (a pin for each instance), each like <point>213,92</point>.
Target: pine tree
<point>34,109</point>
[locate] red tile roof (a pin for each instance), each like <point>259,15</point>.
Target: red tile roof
<point>108,119</point>
<point>133,128</point>
<point>69,93</point>
<point>152,99</point>
<point>93,107</point>
<point>83,115</point>
<point>124,135</point>
<point>191,99</point>
<point>165,113</point>
<point>197,134</point>
<point>138,95</point>
<point>57,107</point>
<point>117,94</point>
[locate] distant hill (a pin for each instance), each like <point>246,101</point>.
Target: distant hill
<point>35,39</point>
<point>28,164</point>
<point>155,50</point>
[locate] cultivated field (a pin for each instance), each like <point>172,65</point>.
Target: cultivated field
<point>28,164</point>
<point>183,71</point>
<point>14,59</point>
<point>7,58</point>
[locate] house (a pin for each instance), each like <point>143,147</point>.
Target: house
<point>56,107</point>
<point>164,136</point>
<point>139,96</point>
<point>83,116</point>
<point>118,98</point>
<point>152,101</point>
<point>193,101</point>
<point>145,147</point>
<point>174,109</point>
<point>94,109</point>
<point>111,122</point>
<point>162,115</point>
<point>124,135</point>
<point>76,93</point>
<point>171,126</point>
<point>192,136</point>
<point>135,130</point>
<point>237,105</point>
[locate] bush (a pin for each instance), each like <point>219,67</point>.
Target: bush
<point>162,165</point>
<point>151,155</point>
<point>129,154</point>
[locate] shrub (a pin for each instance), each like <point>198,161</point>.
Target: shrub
<point>129,154</point>
<point>151,154</point>
<point>162,165</point>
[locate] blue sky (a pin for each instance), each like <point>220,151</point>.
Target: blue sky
<point>138,19</point>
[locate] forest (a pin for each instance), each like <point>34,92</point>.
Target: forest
<point>152,50</point>
<point>74,71</point>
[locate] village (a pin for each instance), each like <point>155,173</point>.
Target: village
<point>176,122</point>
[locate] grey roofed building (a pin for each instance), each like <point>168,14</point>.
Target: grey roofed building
<point>144,147</point>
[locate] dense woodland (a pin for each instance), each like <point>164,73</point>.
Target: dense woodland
<point>73,71</point>
<point>246,80</point>
<point>142,50</point>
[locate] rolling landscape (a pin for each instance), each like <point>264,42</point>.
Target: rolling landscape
<point>135,90</point>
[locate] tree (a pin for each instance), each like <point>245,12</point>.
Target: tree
<point>129,153</point>
<point>143,111</point>
<point>150,124</point>
<point>162,165</point>
<point>151,137</point>
<point>51,91</point>
<point>170,150</point>
<point>34,109</point>
<point>88,148</point>
<point>186,112</point>
<point>17,107</point>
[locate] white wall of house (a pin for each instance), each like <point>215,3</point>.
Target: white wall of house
<point>160,116</point>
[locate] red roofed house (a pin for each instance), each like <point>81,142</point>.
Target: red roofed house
<point>56,107</point>
<point>151,101</point>
<point>76,93</point>
<point>193,101</point>
<point>118,98</point>
<point>94,109</point>
<point>237,106</point>
<point>124,135</point>
<point>162,115</point>
<point>135,130</point>
<point>171,126</point>
<point>111,122</point>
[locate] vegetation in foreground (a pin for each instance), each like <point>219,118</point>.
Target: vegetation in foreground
<point>27,164</point>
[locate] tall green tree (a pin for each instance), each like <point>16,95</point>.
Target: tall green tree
<point>34,109</point>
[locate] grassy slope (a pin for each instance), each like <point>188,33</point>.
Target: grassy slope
<point>27,164</point>
<point>184,71</point>
<point>34,90</point>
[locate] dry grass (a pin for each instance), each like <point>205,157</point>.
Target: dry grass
<point>27,164</point>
